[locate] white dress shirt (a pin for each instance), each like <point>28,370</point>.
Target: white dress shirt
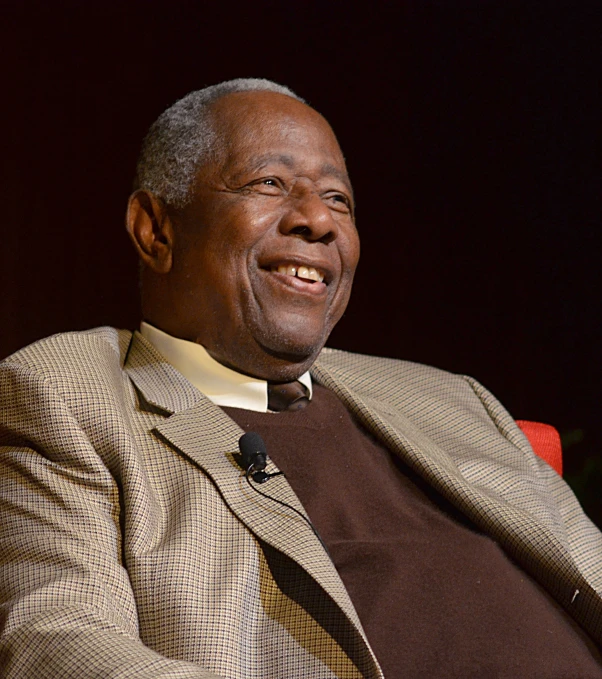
<point>223,386</point>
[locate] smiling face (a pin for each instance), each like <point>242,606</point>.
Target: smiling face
<point>264,255</point>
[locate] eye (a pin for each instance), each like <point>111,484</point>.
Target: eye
<point>271,186</point>
<point>339,202</point>
<point>269,182</point>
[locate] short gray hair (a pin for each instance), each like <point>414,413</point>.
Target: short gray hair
<point>183,137</point>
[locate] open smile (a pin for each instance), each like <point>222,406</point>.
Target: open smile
<point>306,273</point>
<point>302,278</point>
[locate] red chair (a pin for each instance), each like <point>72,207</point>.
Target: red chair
<point>545,441</point>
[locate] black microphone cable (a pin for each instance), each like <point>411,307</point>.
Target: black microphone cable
<point>254,458</point>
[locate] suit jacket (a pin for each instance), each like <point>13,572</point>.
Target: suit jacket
<point>133,547</point>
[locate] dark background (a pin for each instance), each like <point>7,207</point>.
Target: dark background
<point>472,133</point>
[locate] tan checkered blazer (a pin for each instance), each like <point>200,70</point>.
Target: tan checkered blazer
<point>132,547</point>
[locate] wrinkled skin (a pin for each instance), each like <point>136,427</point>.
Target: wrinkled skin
<point>277,192</point>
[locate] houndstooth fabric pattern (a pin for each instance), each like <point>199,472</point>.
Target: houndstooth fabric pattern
<point>131,545</point>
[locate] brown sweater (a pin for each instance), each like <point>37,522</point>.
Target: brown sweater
<point>437,598</point>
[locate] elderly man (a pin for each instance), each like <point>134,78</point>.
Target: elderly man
<point>402,526</point>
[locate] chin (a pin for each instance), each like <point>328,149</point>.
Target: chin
<point>294,348</point>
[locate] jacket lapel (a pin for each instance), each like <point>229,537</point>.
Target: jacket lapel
<point>203,433</point>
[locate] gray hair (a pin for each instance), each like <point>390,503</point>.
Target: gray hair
<point>183,137</point>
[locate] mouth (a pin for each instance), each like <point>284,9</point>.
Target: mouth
<point>306,273</point>
<point>300,277</point>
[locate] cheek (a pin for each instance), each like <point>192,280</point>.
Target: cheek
<point>243,221</point>
<point>350,254</point>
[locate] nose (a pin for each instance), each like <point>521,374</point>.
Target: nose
<point>309,217</point>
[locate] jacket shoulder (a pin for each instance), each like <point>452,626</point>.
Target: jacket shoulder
<point>82,371</point>
<point>65,350</point>
<point>416,389</point>
<point>377,369</point>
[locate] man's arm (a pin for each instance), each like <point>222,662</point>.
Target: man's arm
<point>584,538</point>
<point>67,607</point>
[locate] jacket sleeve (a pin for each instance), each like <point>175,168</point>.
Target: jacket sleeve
<point>66,605</point>
<point>583,537</point>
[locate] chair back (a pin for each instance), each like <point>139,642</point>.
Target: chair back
<point>545,441</point>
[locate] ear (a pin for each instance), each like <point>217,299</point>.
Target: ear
<point>151,230</point>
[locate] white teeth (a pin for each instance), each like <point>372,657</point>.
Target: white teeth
<point>309,273</point>
<point>314,275</point>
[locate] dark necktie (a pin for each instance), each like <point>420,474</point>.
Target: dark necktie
<point>288,396</point>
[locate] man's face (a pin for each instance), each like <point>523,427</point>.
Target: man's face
<point>265,253</point>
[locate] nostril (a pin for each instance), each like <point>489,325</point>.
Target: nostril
<point>301,230</point>
<point>328,237</point>
<point>308,233</point>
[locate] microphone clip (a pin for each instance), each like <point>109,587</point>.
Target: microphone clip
<point>261,476</point>
<point>257,471</point>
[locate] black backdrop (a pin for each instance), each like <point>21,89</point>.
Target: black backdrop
<point>472,134</point>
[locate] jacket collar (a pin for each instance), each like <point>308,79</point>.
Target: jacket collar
<point>159,385</point>
<point>222,385</point>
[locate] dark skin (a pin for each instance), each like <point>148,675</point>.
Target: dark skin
<point>276,193</point>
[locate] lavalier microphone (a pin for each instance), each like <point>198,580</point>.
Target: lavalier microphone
<point>254,457</point>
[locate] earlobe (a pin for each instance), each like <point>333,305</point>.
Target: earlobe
<point>150,228</point>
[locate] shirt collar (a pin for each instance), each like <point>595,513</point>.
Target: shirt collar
<point>222,385</point>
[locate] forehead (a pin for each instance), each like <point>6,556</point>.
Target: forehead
<point>259,128</point>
